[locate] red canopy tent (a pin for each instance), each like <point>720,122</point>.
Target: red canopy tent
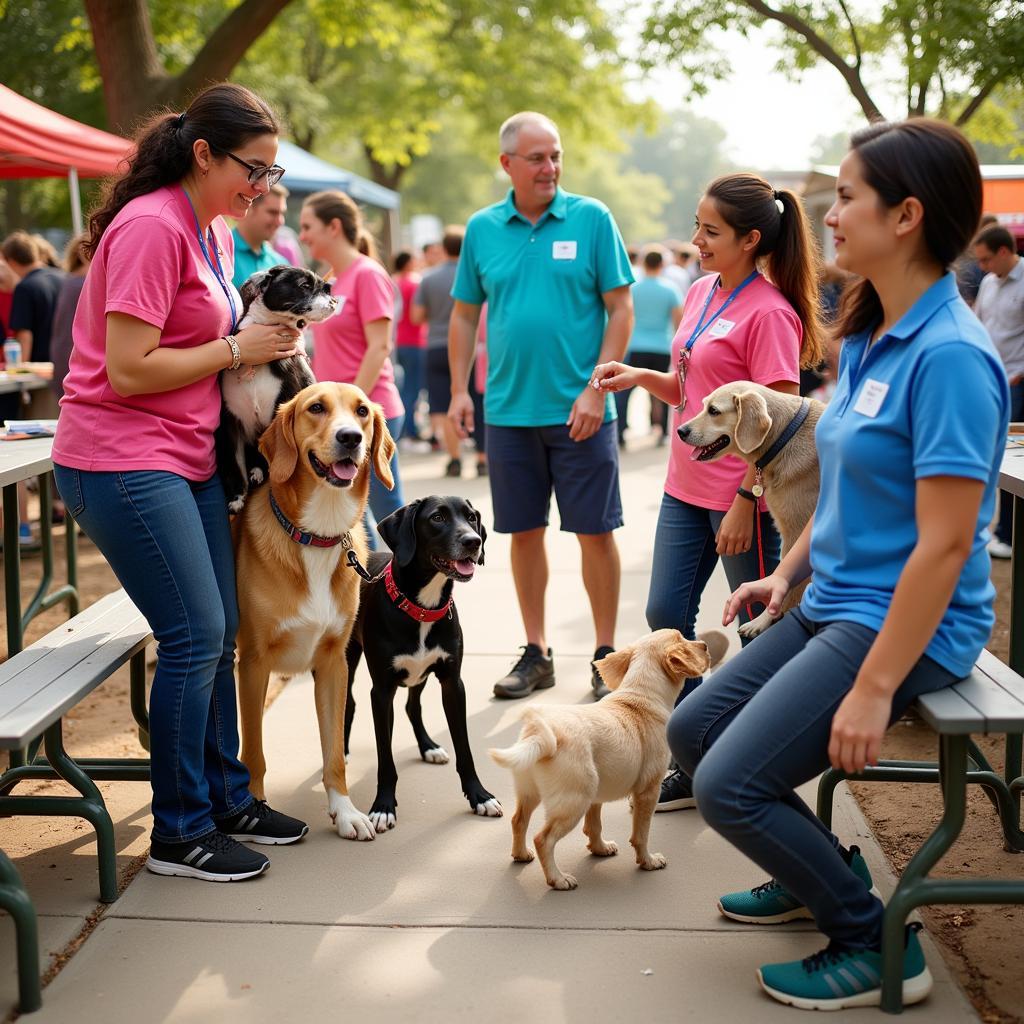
<point>38,143</point>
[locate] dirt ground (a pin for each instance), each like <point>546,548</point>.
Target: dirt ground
<point>984,945</point>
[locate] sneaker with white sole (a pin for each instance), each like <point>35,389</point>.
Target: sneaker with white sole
<point>212,858</point>
<point>839,979</point>
<point>676,792</point>
<point>772,903</point>
<point>260,823</point>
<point>999,548</point>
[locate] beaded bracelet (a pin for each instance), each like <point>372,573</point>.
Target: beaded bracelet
<point>236,352</point>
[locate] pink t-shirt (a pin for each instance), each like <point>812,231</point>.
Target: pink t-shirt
<point>367,294</point>
<point>408,334</point>
<point>757,339</point>
<point>150,265</point>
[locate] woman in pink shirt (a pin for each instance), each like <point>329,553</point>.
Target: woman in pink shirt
<point>354,345</point>
<point>754,318</point>
<point>410,341</point>
<point>134,460</point>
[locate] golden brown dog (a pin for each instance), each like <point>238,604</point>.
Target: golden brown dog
<point>297,596</point>
<point>746,419</point>
<point>575,758</point>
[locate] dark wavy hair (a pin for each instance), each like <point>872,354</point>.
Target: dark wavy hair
<point>225,115</point>
<point>933,162</point>
<point>748,203</point>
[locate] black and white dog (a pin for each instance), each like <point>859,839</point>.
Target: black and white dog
<point>292,297</point>
<point>408,627</point>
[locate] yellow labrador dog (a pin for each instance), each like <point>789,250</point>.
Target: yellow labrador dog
<point>297,596</point>
<point>775,432</point>
<point>575,758</point>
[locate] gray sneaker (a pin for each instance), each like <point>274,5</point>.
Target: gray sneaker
<point>533,671</point>
<point>597,684</point>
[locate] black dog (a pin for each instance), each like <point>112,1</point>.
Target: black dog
<point>408,628</point>
<point>292,297</point>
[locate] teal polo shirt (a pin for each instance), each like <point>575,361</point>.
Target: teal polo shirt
<point>929,398</point>
<point>248,260</point>
<point>543,285</point>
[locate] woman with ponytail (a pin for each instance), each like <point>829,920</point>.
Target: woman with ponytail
<point>134,456</point>
<point>900,597</point>
<point>354,346</point>
<point>752,317</point>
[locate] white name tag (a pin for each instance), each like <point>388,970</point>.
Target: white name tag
<point>341,304</point>
<point>720,328</point>
<point>872,395</point>
<point>563,251</point>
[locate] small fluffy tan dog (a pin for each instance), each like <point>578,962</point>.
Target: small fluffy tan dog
<point>574,758</point>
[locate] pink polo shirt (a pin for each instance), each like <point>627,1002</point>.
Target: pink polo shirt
<point>758,338</point>
<point>367,294</point>
<point>149,264</point>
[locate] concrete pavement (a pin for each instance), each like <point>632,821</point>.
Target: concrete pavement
<point>433,921</point>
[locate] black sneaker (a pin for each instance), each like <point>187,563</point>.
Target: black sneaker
<point>596,682</point>
<point>454,468</point>
<point>533,671</point>
<point>260,823</point>
<point>213,858</point>
<point>676,792</point>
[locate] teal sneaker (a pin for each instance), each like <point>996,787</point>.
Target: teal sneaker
<point>840,979</point>
<point>770,903</point>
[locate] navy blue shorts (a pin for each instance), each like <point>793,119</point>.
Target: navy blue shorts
<point>527,463</point>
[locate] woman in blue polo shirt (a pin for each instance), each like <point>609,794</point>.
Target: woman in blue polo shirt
<point>900,602</point>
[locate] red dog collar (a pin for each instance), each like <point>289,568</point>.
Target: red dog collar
<point>414,611</point>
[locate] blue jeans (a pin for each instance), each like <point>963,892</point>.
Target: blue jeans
<point>382,501</point>
<point>685,557</point>
<point>168,542</point>
<point>412,361</point>
<point>760,727</point>
<point>1004,528</point>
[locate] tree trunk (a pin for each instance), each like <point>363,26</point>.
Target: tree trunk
<point>389,177</point>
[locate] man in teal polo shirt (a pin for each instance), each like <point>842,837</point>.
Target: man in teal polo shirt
<point>554,272</point>
<point>253,233</point>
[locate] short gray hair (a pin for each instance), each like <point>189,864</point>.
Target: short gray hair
<point>508,135</point>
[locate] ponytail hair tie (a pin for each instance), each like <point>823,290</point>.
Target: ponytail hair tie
<point>181,121</point>
<point>779,205</point>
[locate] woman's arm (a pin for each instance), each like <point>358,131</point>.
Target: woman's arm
<point>946,512</point>
<point>618,376</point>
<point>378,347</point>
<point>138,365</point>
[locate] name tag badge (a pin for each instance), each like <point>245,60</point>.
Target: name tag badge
<point>872,395</point>
<point>341,304</point>
<point>721,327</point>
<point>563,251</point>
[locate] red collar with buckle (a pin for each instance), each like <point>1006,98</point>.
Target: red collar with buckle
<point>414,611</point>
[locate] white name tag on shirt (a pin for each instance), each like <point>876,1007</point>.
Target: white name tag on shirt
<point>721,327</point>
<point>341,304</point>
<point>563,251</point>
<point>872,395</point>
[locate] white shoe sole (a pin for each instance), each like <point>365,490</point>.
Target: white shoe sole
<point>684,803</point>
<point>914,990</point>
<point>245,837</point>
<point>165,867</point>
<point>796,914</point>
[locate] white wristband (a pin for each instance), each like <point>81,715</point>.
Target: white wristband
<point>236,352</point>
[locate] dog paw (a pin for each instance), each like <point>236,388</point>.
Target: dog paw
<point>435,755</point>
<point>652,862</point>
<point>256,475</point>
<point>608,849</point>
<point>563,883</point>
<point>382,820</point>
<point>349,821</point>
<point>488,808</point>
<point>236,504</point>
<point>522,857</point>
<point>755,626</point>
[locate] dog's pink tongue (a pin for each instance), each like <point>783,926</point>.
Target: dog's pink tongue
<point>465,566</point>
<point>343,470</point>
<point>695,454</point>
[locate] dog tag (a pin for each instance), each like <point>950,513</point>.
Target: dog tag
<point>757,490</point>
<point>563,251</point>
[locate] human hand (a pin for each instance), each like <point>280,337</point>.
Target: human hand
<point>460,412</point>
<point>263,343</point>
<point>613,377</point>
<point>586,415</point>
<point>770,591</point>
<point>737,529</point>
<point>857,730</point>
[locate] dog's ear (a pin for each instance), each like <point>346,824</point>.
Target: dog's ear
<point>253,287</point>
<point>399,532</point>
<point>752,421</point>
<point>382,448</point>
<point>613,667</point>
<point>684,659</point>
<point>482,530</point>
<point>278,444</point>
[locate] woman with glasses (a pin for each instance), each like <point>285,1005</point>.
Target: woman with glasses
<point>134,456</point>
<point>753,317</point>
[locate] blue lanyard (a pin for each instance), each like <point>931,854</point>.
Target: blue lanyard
<point>701,326</point>
<point>218,270</point>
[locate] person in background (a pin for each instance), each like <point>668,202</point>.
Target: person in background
<point>681,266</point>
<point>76,264</point>
<point>47,254</point>
<point>253,234</point>
<point>658,308</point>
<point>35,296</point>
<point>968,271</point>
<point>433,255</point>
<point>410,347</point>
<point>999,305</point>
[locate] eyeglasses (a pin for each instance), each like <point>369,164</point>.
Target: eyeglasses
<point>273,174</point>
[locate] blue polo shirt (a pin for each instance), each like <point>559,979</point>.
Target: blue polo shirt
<point>249,260</point>
<point>543,285</point>
<point>929,398</point>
